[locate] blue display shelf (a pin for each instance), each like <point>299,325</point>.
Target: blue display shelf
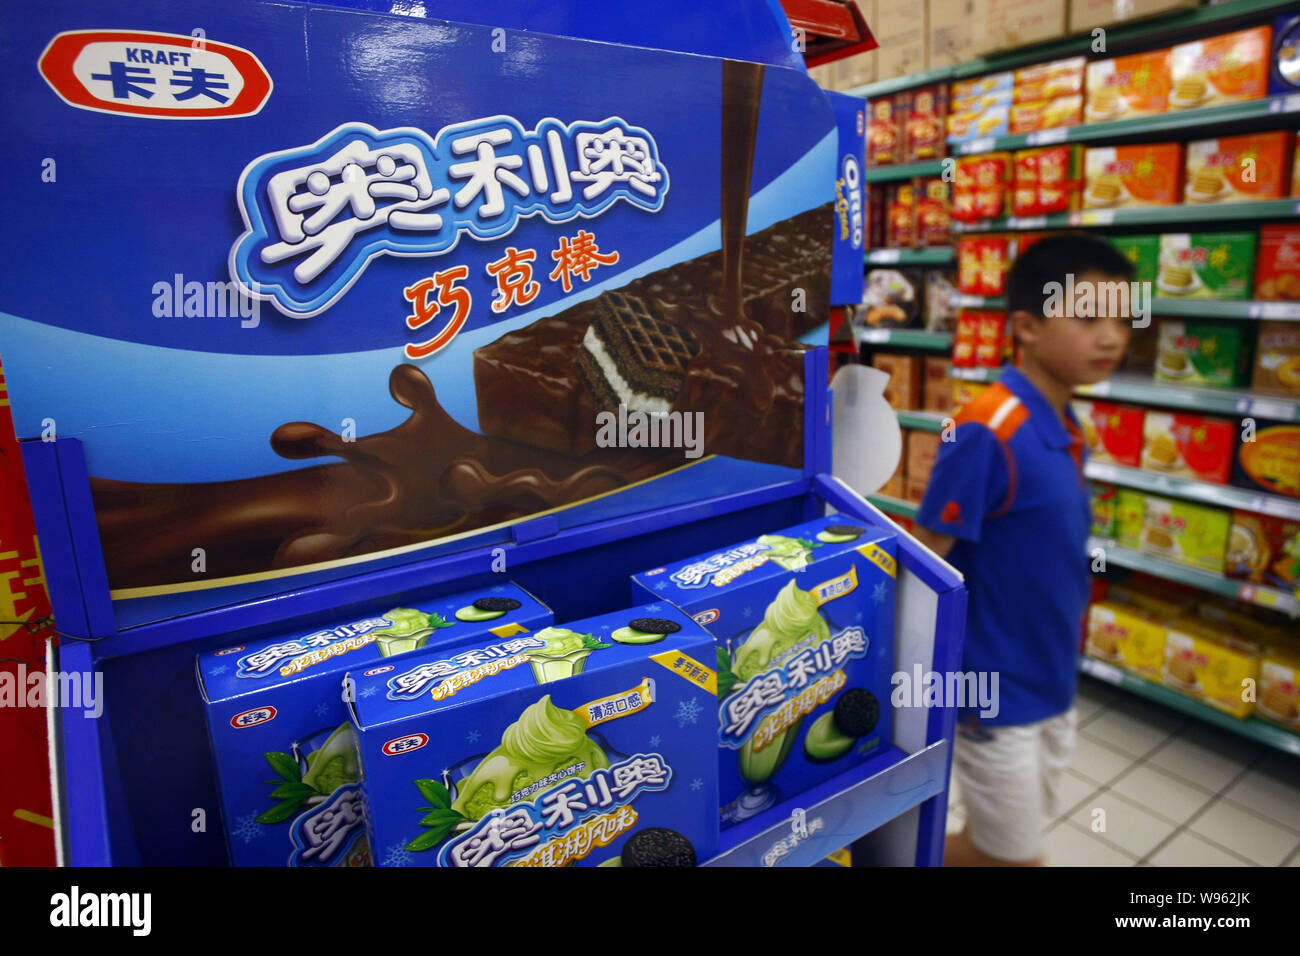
<point>127,782</point>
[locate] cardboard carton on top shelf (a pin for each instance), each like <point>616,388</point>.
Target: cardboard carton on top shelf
<point>1086,14</point>
<point>955,28</point>
<point>900,29</point>
<point>1013,23</point>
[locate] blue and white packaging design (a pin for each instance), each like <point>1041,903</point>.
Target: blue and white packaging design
<point>278,721</point>
<point>803,620</point>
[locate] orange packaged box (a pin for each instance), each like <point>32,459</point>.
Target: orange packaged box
<point>1128,86</point>
<point>933,211</point>
<point>990,339</point>
<point>903,393</point>
<point>1277,359</point>
<point>1222,69</point>
<point>963,393</point>
<point>936,385</point>
<point>1112,432</point>
<point>1150,174</point>
<point>1033,115</point>
<point>884,133</point>
<point>1239,168</point>
<point>963,342</point>
<point>900,215</point>
<point>925,122</point>
<point>1047,81</point>
<point>922,447</point>
<point>1277,274</point>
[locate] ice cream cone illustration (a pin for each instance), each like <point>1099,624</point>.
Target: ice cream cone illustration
<point>409,631</point>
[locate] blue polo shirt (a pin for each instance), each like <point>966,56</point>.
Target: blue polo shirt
<point>1010,488</point>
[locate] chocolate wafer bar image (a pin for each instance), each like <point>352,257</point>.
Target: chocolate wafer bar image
<point>632,355</point>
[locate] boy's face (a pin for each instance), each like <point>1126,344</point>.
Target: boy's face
<point>1085,344</point>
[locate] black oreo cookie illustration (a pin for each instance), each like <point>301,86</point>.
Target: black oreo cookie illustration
<point>658,846</point>
<point>487,609</point>
<point>645,630</point>
<point>833,734</point>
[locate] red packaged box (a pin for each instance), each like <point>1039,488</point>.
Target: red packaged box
<point>968,265</point>
<point>900,215</point>
<point>876,216</point>
<point>1113,432</point>
<point>982,187</point>
<point>925,119</point>
<point>884,133</point>
<point>990,339</point>
<point>994,260</point>
<point>1277,273</point>
<point>963,341</point>
<point>933,202</point>
<point>1263,549</point>
<point>1048,179</point>
<point>1189,446</point>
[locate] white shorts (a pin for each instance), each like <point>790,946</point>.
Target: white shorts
<point>1010,779</point>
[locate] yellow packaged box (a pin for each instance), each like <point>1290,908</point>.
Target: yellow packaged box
<point>1279,686</point>
<point>1189,534</point>
<point>1211,665</point>
<point>1128,636</point>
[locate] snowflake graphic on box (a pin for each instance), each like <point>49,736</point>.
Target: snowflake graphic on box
<point>219,669</point>
<point>655,740</point>
<point>247,828</point>
<point>370,691</point>
<point>473,736</point>
<point>688,712</point>
<point>661,585</point>
<point>322,709</point>
<point>878,593</point>
<point>396,855</point>
<point>697,783</point>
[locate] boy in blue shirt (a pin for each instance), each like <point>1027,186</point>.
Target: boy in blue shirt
<point>1007,505</point>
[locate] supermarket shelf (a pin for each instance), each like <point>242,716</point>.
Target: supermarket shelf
<point>1217,309</point>
<point>1274,598</point>
<point>964,301</point>
<point>977,374</point>
<point>1258,730</point>
<point>1218,117</point>
<point>1224,496</point>
<point>1130,387</point>
<point>923,421</point>
<point>811,826</point>
<point>894,506</point>
<point>1120,38</point>
<point>932,256</point>
<point>908,338</point>
<point>1143,216</point>
<point>884,174</point>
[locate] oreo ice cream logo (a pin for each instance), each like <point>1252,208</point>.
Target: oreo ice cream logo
<point>850,202</point>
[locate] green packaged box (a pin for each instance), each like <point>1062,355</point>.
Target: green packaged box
<point>1143,252</point>
<point>1189,534</point>
<point>1130,511</point>
<point>1104,524</point>
<point>1206,265</point>
<point>1200,353</point>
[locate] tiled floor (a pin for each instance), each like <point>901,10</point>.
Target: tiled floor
<point>1174,791</point>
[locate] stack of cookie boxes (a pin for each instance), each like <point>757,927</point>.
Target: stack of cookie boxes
<point>803,623</point>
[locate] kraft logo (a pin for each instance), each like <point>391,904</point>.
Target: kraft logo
<point>250,718</point>
<point>156,75</point>
<point>229,650</point>
<point>379,670</point>
<point>651,574</point>
<point>705,617</point>
<point>404,745</point>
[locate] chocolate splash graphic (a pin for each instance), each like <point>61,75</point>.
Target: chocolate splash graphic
<point>427,478</point>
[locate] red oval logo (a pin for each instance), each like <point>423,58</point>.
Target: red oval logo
<point>250,718</point>
<point>229,650</point>
<point>378,670</point>
<point>403,745</point>
<point>160,75</point>
<point>705,617</point>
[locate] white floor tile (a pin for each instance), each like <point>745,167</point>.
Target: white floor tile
<point>1128,827</point>
<point>1091,701</point>
<point>1067,845</point>
<point>1197,763</point>
<point>1098,762</point>
<point>1165,795</point>
<point>1187,849</point>
<point>1154,714</point>
<point>1240,748</point>
<point>1245,834</point>
<point>1271,789</point>
<point>1124,731</point>
<point>1075,789</point>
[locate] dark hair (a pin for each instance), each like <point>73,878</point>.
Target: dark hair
<point>1052,259</point>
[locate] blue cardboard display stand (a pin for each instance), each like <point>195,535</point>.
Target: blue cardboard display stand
<point>136,785</point>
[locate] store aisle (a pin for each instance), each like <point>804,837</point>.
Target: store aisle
<point>1174,791</point>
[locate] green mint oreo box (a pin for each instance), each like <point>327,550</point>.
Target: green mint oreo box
<point>285,758</point>
<point>588,744</point>
<point>803,624</point>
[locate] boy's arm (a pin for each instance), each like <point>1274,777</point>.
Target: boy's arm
<point>969,484</point>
